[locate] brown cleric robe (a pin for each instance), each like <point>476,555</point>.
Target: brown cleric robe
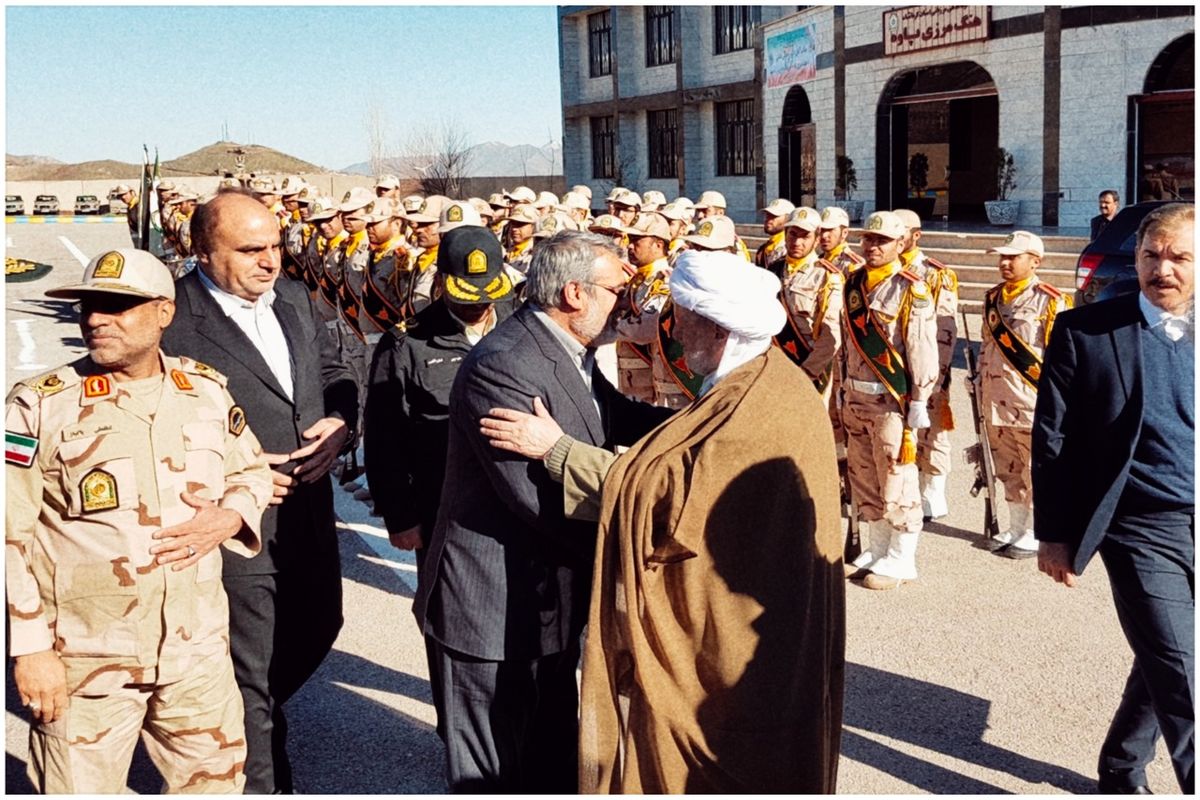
<point>715,653</point>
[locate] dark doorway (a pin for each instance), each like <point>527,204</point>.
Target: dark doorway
<point>943,120</point>
<point>797,150</point>
<point>1162,162</point>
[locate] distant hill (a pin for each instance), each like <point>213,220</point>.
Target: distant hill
<point>51,170</point>
<point>218,158</point>
<point>215,159</point>
<point>487,160</point>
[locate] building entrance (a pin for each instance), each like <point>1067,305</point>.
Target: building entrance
<point>1162,163</point>
<point>937,130</point>
<point>798,150</point>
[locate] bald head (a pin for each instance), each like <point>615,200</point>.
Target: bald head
<point>237,242</point>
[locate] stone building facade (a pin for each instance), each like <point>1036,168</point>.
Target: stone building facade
<point>1084,98</point>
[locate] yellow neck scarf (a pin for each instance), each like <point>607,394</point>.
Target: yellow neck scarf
<point>1009,291</point>
<point>795,265</point>
<point>877,275</point>
<point>426,259</point>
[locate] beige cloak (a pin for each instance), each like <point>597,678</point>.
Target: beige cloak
<point>715,652</point>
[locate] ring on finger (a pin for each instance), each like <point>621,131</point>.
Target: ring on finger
<point>191,551</point>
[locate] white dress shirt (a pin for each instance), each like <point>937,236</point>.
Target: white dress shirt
<point>1174,327</point>
<point>258,321</point>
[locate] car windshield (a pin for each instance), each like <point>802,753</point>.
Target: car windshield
<point>46,197</point>
<point>8,198</point>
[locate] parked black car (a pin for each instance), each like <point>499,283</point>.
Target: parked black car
<point>1106,266</point>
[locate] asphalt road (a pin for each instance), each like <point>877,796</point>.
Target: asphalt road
<point>981,677</point>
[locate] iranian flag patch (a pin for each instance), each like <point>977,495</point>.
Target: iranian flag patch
<point>19,449</point>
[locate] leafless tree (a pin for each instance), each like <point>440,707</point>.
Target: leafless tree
<point>439,156</point>
<point>377,141</point>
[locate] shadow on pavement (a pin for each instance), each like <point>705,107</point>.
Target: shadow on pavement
<point>377,576</point>
<point>939,719</point>
<point>939,529</point>
<point>58,310</point>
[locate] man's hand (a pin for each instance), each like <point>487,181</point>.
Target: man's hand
<point>531,435</point>
<point>411,539</point>
<point>185,544</point>
<point>918,415</point>
<point>283,484</point>
<point>1054,559</point>
<point>41,682</point>
<point>316,459</point>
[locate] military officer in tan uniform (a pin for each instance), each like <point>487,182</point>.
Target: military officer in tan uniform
<point>834,244</point>
<point>650,364</point>
<point>388,186</point>
<point>677,217</point>
<point>933,443</point>
<point>518,234</point>
<point>626,206</point>
<point>714,233</point>
<point>1018,316</point>
<point>386,284</point>
<point>775,214</point>
<point>322,259</point>
<point>891,369</point>
<point>129,197</point>
<point>712,205</point>
<point>427,222</point>
<point>812,296</point>
<point>126,472</point>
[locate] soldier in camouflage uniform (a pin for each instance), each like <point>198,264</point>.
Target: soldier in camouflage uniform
<point>891,368</point>
<point>427,238</point>
<point>387,288</point>
<point>933,443</point>
<point>812,296</point>
<point>774,248</point>
<point>127,470</point>
<point>1018,316</point>
<point>833,244</point>
<point>518,235</point>
<point>644,350</point>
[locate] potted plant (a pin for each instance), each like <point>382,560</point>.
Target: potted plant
<point>847,182</point>
<point>918,180</point>
<point>1003,211</point>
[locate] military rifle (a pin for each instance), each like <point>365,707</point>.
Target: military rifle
<point>980,453</point>
<point>853,546</point>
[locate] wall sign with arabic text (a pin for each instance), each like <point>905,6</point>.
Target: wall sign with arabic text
<point>907,30</point>
<point>791,57</point>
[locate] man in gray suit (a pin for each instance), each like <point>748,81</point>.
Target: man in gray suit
<point>264,335</point>
<point>503,593</point>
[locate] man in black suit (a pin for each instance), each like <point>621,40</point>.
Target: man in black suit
<point>285,604</point>
<point>1114,473</point>
<point>503,592</point>
<point>1110,203</point>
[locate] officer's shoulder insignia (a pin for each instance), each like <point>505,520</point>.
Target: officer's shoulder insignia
<point>96,386</point>
<point>828,267</point>
<point>1050,290</point>
<point>200,368</point>
<point>48,384</point>
<point>181,380</point>
<point>912,277</point>
<point>110,265</point>
<point>237,420</point>
<point>19,448</point>
<point>99,491</point>
<point>933,262</point>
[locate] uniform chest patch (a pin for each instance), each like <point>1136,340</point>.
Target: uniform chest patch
<point>99,491</point>
<point>181,381</point>
<point>237,420</point>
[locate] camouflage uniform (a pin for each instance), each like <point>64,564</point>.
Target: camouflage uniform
<point>1007,399</point>
<point>144,647</point>
<point>423,283</point>
<point>387,291</point>
<point>295,240</point>
<point>933,443</point>
<point>807,284</point>
<point>519,256</point>
<point>770,251</point>
<point>653,382</point>
<point>885,489</point>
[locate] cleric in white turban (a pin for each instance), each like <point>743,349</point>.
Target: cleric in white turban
<point>715,650</point>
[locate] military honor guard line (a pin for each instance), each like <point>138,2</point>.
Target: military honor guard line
<point>557,518</point>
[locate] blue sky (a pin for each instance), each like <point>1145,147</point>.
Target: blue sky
<point>92,82</point>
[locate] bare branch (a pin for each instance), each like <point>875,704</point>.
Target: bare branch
<point>439,156</point>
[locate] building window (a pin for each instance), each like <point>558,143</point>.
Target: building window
<point>604,162</point>
<point>662,127</point>
<point>660,35</point>
<point>599,44</point>
<point>733,27</point>
<point>735,137</point>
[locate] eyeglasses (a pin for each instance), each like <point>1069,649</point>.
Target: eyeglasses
<point>619,292</point>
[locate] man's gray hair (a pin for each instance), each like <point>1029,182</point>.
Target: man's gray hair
<point>565,257</point>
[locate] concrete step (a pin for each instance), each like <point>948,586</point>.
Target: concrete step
<point>964,257</point>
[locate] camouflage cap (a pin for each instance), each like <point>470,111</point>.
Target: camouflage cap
<point>629,198</point>
<point>263,184</point>
<point>885,223</point>
<point>457,213</point>
<point>121,188</point>
<point>524,214</point>
<point>123,271</point>
<point>780,207</point>
<point>909,218</point>
<point>834,217</point>
<point>711,199</point>
<point>606,223</point>
<point>378,210</point>
<point>292,185</point>
<point>355,199</point>
<point>583,189</point>
<point>714,233</point>
<point>546,200</point>
<point>387,182</point>
<point>1019,242</point>
<point>652,200</point>
<point>649,224</point>
<point>412,202</point>
<point>429,211</point>
<point>322,208</point>
<point>804,218</point>
<point>522,194</point>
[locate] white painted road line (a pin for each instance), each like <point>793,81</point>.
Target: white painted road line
<point>75,251</point>
<point>28,347</point>
<point>353,515</point>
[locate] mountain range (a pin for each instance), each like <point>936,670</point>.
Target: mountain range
<point>490,159</point>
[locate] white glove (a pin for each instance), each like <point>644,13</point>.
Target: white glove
<point>918,415</point>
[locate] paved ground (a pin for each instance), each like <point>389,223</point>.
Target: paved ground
<point>981,677</point>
